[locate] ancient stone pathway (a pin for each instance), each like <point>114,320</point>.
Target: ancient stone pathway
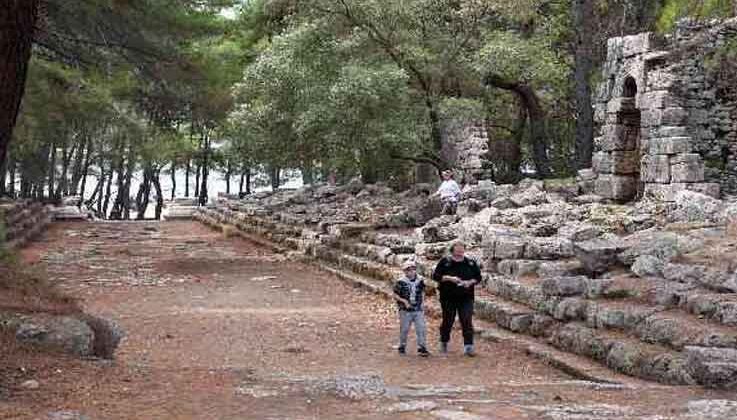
<point>221,329</point>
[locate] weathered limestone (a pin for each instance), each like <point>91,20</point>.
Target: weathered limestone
<point>598,255</point>
<point>665,102</point>
<point>534,250</point>
<point>713,367</point>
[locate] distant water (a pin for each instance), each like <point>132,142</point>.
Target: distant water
<point>215,185</point>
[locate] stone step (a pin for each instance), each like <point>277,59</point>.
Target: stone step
<point>579,299</point>
<point>356,264</point>
<point>609,346</point>
<point>399,244</point>
<point>29,234</point>
<point>615,350</point>
<point>719,308</point>
<point>541,268</point>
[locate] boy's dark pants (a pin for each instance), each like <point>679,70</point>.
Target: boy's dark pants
<point>464,309</point>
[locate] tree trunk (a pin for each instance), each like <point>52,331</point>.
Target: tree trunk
<point>85,171</point>
<point>128,176</point>
<point>66,158</point>
<point>435,133</point>
<point>144,191</point>
<point>205,172</point>
<point>173,181</point>
<point>117,210</point>
<point>274,176</point>
<point>583,11</point>
<point>536,115</point>
<point>248,181</point>
<point>17,27</point>
<point>228,174</point>
<point>240,184</point>
<point>139,195</point>
<point>197,180</point>
<point>3,176</point>
<point>159,196</point>
<point>187,169</point>
<point>11,180</point>
<point>25,186</point>
<point>52,170</point>
<point>79,160</point>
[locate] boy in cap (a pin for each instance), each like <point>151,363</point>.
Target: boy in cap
<point>409,292</point>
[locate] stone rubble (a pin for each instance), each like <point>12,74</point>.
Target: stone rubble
<point>630,286</point>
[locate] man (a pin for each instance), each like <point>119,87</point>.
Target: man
<point>409,292</point>
<point>449,192</point>
<point>457,276</point>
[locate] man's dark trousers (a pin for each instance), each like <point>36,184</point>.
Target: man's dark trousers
<point>464,309</point>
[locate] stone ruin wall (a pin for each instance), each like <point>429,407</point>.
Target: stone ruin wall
<point>666,122</point>
<point>465,146</point>
<point>22,221</point>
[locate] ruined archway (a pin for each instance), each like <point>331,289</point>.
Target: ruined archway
<point>629,89</point>
<point>629,118</point>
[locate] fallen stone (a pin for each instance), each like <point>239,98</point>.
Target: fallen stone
<point>695,207</point>
<point>585,412</point>
<point>713,367</point>
<point>411,406</point>
<point>559,268</point>
<point>68,334</point>
<point>456,415</point>
<point>564,286</point>
<point>66,415</point>
<point>647,265</point>
<point>598,255</point>
<point>529,197</point>
<point>712,409</point>
<point>30,384</point>
<point>517,268</point>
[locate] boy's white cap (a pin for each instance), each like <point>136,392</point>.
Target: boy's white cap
<point>407,264</point>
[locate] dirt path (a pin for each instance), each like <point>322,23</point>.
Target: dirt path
<point>220,329</point>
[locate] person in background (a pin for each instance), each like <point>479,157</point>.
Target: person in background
<point>457,275</point>
<point>449,192</point>
<point>409,292</point>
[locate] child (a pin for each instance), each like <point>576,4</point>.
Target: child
<point>409,292</point>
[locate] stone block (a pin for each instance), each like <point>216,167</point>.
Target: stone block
<point>672,131</point>
<point>564,286</point>
<point>636,44</point>
<point>616,187</point>
<point>687,167</point>
<point>509,247</point>
<point>548,249</point>
<point>672,116</point>
<point>601,162</point>
<point>658,99</point>
<point>660,79</point>
<point>655,168</point>
<point>586,175</point>
<point>625,162</point>
<point>713,367</point>
<point>516,268</point>
<point>598,255</point>
<point>668,145</point>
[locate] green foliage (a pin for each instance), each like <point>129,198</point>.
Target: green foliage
<point>673,10</point>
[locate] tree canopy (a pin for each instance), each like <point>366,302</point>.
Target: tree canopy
<point>124,91</point>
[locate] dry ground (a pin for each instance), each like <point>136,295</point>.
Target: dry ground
<point>220,329</point>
